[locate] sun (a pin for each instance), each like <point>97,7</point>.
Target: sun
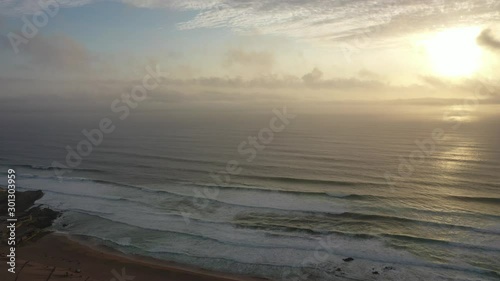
<point>454,52</point>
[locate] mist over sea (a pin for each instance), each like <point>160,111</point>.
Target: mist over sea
<point>412,196</point>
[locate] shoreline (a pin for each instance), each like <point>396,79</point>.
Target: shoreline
<point>45,255</point>
<point>74,259</point>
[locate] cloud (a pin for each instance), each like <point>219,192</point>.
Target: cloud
<point>364,73</point>
<point>58,52</point>
<point>262,59</point>
<point>55,55</point>
<point>313,76</point>
<point>248,63</point>
<point>27,98</point>
<point>30,7</point>
<point>176,4</point>
<point>30,96</point>
<point>338,20</point>
<point>434,81</point>
<point>487,40</point>
<point>313,81</point>
<point>328,21</point>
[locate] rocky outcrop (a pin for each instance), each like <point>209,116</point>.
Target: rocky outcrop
<point>31,220</point>
<point>24,200</point>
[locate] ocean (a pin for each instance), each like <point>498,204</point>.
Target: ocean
<point>407,197</point>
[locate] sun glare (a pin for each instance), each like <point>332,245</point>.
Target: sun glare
<point>454,52</point>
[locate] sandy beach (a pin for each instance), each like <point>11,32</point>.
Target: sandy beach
<point>57,257</point>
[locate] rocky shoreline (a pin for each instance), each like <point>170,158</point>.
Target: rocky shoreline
<point>32,220</point>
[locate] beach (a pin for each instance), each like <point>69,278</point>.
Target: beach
<point>57,257</point>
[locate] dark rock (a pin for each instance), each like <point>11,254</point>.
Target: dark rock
<point>389,268</point>
<point>348,259</point>
<point>375,272</point>
<point>338,269</point>
<point>43,218</point>
<point>24,200</point>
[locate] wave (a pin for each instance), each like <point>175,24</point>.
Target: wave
<point>487,200</point>
<point>187,207</point>
<point>52,168</point>
<point>228,187</point>
<point>409,238</point>
<point>194,235</point>
<point>247,222</point>
<point>317,181</point>
<point>348,217</point>
<point>307,230</point>
<point>352,215</point>
<point>273,232</point>
<point>154,252</point>
<point>294,192</point>
<point>359,197</point>
<point>160,157</point>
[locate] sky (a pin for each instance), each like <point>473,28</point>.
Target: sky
<point>221,53</point>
